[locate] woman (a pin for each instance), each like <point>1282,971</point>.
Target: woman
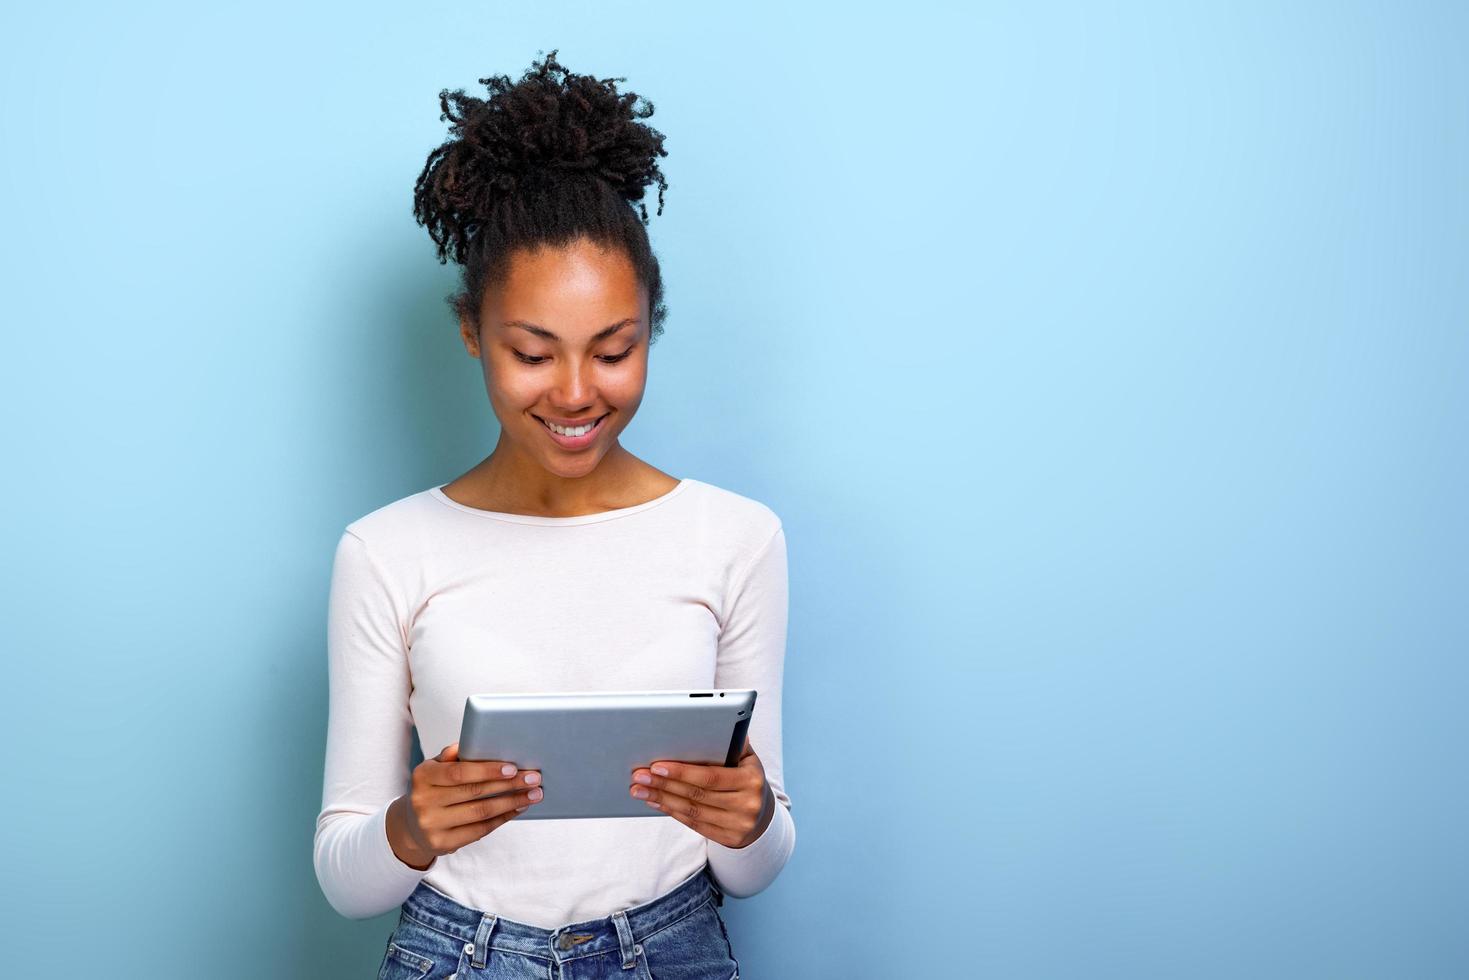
<point>561,562</point>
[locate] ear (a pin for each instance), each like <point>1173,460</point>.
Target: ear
<point>470,335</point>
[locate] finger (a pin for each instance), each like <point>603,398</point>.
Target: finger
<point>721,835</point>
<point>454,839</point>
<point>744,779</point>
<point>723,810</point>
<point>477,811</point>
<point>460,792</point>
<point>692,774</point>
<point>692,791</point>
<point>456,771</point>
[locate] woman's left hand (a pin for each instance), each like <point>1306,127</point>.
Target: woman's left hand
<point>730,806</point>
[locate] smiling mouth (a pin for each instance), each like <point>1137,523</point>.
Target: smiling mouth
<point>595,423</point>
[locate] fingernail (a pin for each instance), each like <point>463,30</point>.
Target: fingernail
<point>535,794</point>
<point>533,777</point>
<point>643,778</point>
<point>640,793</point>
<point>507,770</point>
<point>660,770</point>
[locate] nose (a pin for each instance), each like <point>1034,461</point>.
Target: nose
<point>573,387</point>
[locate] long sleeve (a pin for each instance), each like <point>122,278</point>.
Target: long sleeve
<point>369,739</point>
<point>752,645</point>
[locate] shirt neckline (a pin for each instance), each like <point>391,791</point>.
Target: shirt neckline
<point>438,494</point>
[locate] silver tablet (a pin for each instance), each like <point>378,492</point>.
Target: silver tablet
<point>587,744</point>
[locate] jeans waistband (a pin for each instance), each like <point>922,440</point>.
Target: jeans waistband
<point>622,930</point>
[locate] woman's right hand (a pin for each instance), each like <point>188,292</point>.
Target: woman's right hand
<point>442,811</point>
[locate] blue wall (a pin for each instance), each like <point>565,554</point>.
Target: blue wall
<point>1107,366</point>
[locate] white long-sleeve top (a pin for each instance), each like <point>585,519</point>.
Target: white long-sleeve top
<point>432,601</point>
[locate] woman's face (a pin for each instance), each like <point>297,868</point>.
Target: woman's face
<point>564,340</point>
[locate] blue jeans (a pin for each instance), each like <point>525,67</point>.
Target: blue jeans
<point>677,936</point>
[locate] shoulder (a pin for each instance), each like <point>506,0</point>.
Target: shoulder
<point>733,524</point>
<point>393,529</point>
<point>735,509</point>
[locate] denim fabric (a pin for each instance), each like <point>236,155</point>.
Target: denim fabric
<point>677,936</point>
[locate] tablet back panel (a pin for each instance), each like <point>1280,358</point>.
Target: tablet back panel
<point>587,744</point>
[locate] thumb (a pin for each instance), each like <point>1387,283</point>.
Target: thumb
<point>450,753</point>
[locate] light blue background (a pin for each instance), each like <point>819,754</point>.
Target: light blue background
<point>1107,366</point>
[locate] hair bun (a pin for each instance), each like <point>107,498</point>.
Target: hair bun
<point>550,126</point>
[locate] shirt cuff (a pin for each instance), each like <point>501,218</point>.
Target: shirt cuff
<point>744,871</point>
<point>393,867</point>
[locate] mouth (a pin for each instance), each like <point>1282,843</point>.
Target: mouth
<point>563,437</point>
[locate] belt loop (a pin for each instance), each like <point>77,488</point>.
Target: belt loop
<point>625,940</point>
<point>718,892</point>
<point>482,939</point>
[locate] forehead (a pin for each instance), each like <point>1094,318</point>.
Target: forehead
<point>567,288</point>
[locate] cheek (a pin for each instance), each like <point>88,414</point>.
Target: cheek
<point>513,388</point>
<point>624,393</point>
<point>626,387</point>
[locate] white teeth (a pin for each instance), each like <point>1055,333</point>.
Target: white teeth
<point>578,431</point>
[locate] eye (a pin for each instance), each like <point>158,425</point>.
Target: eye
<point>535,359</point>
<point>620,357</point>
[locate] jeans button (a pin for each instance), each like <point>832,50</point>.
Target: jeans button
<point>565,941</point>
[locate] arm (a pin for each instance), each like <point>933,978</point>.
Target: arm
<point>368,743</point>
<point>752,645</point>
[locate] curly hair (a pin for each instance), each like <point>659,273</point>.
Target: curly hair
<point>544,161</point>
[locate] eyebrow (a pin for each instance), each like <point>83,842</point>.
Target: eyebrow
<point>540,331</point>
